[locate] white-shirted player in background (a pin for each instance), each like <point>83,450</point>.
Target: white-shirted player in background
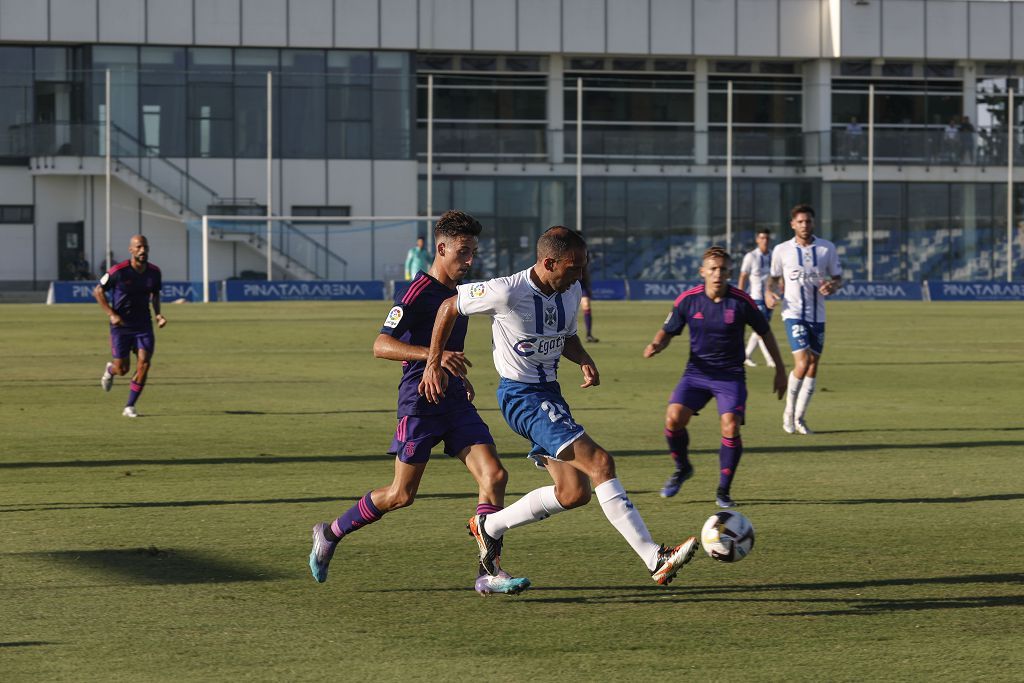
<point>533,326</point>
<point>753,276</point>
<point>807,270</point>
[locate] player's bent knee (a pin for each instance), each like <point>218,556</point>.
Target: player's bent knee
<point>572,498</point>
<point>398,499</point>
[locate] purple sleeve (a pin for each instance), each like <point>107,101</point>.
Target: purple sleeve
<point>400,318</point>
<point>755,318</point>
<point>675,322</point>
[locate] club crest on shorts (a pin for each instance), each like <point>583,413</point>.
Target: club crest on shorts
<point>394,317</point>
<point>477,290</point>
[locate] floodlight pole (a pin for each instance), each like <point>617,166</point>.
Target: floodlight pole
<point>728,166</point>
<point>871,182</point>
<point>206,259</point>
<point>108,256</point>
<point>579,154</point>
<point>430,159</point>
<point>1009,187</point>
<point>270,175</point>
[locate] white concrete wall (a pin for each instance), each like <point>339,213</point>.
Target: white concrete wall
<point>367,187</point>
<point>16,240</point>
<point>904,29</point>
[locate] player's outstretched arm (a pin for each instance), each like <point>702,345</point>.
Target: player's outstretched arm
<point>780,380</point>
<point>660,342</point>
<point>389,348</point>
<point>434,383</point>
<point>575,352</point>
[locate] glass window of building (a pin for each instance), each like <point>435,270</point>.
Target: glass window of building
<point>123,63</point>
<point>631,114</point>
<point>250,102</point>
<point>767,115</point>
<point>392,105</point>
<point>349,104</point>
<point>499,114</point>
<point>16,110</point>
<point>303,104</point>
<point>918,113</point>
<point>162,98</point>
<point>210,122</point>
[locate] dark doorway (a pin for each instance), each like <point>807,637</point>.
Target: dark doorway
<point>71,251</point>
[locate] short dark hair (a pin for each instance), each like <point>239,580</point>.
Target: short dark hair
<point>801,208</point>
<point>716,252</point>
<point>456,224</point>
<point>557,241</point>
<point>763,231</point>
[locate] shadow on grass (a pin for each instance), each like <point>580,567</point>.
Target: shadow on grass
<point>222,460</point>
<point>888,501</point>
<point>688,592</point>
<point>27,643</point>
<point>42,507</point>
<point>154,565</point>
<point>863,607</point>
<point>847,606</point>
<point>809,447</point>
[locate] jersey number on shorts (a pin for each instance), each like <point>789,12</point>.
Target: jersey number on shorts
<point>556,412</point>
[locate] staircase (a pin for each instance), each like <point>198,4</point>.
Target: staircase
<point>173,189</point>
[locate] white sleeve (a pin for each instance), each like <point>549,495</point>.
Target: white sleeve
<point>490,297</point>
<point>776,270</point>
<point>748,264</point>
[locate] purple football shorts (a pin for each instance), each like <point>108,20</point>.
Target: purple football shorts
<point>416,435</point>
<point>695,390</point>
<point>123,342</point>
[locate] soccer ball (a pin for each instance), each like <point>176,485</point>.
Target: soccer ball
<point>727,536</point>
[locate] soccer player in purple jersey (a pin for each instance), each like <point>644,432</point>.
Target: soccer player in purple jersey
<point>405,336</point>
<point>717,314</point>
<point>134,285</point>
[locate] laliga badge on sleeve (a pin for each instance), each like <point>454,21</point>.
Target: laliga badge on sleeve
<point>477,290</point>
<point>394,317</point>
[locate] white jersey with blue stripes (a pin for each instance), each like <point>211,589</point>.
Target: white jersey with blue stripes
<point>528,327</point>
<point>802,270</point>
<point>756,265</point>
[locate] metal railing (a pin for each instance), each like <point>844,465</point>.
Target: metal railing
<point>191,196</point>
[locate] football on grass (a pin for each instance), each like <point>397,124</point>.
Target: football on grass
<point>727,536</point>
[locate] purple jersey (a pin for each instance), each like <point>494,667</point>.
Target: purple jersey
<point>411,320</point>
<point>716,329</point>
<point>130,293</point>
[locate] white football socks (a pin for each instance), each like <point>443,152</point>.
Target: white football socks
<point>624,517</point>
<point>764,352</point>
<point>751,343</point>
<point>792,389</point>
<point>536,505</point>
<point>804,397</point>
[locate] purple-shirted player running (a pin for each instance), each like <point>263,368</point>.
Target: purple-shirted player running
<point>133,285</point>
<point>717,314</point>
<point>405,336</point>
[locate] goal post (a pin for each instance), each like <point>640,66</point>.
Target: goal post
<point>300,247</point>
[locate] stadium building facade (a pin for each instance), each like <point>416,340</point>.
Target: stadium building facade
<point>350,91</point>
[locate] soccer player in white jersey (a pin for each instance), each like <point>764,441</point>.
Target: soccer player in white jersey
<point>533,326</point>
<point>753,275</point>
<point>804,271</point>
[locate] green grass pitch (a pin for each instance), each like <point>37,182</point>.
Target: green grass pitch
<point>890,545</point>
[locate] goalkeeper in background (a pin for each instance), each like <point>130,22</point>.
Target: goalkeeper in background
<point>417,259</point>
